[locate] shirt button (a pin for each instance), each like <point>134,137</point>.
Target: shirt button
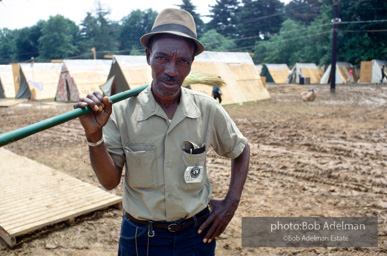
<point>170,194</point>
<point>169,164</point>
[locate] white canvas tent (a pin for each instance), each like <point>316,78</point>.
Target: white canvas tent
<point>370,71</point>
<point>258,68</point>
<point>38,81</point>
<point>237,70</point>
<point>304,70</point>
<point>87,75</point>
<point>7,87</point>
<point>342,73</point>
<point>129,72</point>
<point>279,72</point>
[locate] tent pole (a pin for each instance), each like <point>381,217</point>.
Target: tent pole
<point>12,136</point>
<point>335,21</point>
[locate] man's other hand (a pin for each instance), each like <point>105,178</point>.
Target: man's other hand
<point>221,214</point>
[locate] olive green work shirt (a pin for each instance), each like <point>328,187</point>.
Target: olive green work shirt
<point>140,136</point>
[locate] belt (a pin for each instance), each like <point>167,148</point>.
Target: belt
<point>174,226</point>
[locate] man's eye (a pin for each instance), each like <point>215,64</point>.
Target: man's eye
<point>160,58</point>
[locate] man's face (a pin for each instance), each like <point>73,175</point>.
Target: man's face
<point>170,58</point>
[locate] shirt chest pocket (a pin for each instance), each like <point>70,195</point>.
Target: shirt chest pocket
<point>189,161</point>
<point>141,163</point>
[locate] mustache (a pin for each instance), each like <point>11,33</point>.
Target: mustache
<point>167,78</point>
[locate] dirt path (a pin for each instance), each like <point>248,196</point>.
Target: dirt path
<point>322,158</point>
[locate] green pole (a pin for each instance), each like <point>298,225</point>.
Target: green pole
<point>12,136</point>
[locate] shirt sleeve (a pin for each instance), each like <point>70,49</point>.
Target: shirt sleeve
<point>112,140</point>
<point>226,139</point>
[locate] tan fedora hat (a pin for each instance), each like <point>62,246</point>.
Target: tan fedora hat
<point>177,22</point>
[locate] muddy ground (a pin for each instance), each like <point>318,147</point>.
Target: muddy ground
<point>322,158</point>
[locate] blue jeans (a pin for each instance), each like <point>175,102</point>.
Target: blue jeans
<point>134,240</point>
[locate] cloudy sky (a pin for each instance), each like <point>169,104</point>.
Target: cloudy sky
<point>25,13</point>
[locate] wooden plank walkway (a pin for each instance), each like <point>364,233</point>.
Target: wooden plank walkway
<point>33,196</point>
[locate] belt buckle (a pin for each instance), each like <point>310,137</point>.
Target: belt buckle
<point>170,226</point>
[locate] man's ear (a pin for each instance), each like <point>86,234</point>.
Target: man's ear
<point>148,53</point>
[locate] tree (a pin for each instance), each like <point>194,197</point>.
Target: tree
<point>284,47</point>
<point>296,43</point>
<point>7,45</point>
<point>224,17</point>
<point>88,33</point>
<point>189,7</point>
<point>362,41</point>
<point>318,46</point>
<point>99,32</point>
<point>303,11</point>
<point>213,41</point>
<point>259,19</point>
<point>136,51</point>
<point>27,44</point>
<point>58,39</point>
<point>135,25</point>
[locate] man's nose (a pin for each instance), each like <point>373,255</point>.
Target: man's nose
<point>171,69</point>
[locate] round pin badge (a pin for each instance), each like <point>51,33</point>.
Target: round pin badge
<point>195,171</point>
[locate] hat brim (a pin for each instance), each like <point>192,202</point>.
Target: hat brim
<point>144,40</point>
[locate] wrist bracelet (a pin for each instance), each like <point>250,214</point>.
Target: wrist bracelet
<point>92,144</point>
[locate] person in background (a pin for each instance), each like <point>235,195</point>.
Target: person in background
<point>383,74</point>
<point>350,76</point>
<point>216,93</point>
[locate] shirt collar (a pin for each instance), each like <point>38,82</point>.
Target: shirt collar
<point>149,107</point>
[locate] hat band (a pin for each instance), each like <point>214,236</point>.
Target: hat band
<point>174,27</point>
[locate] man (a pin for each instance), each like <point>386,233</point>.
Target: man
<point>161,137</point>
<point>350,76</point>
<point>216,93</point>
<point>383,74</point>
